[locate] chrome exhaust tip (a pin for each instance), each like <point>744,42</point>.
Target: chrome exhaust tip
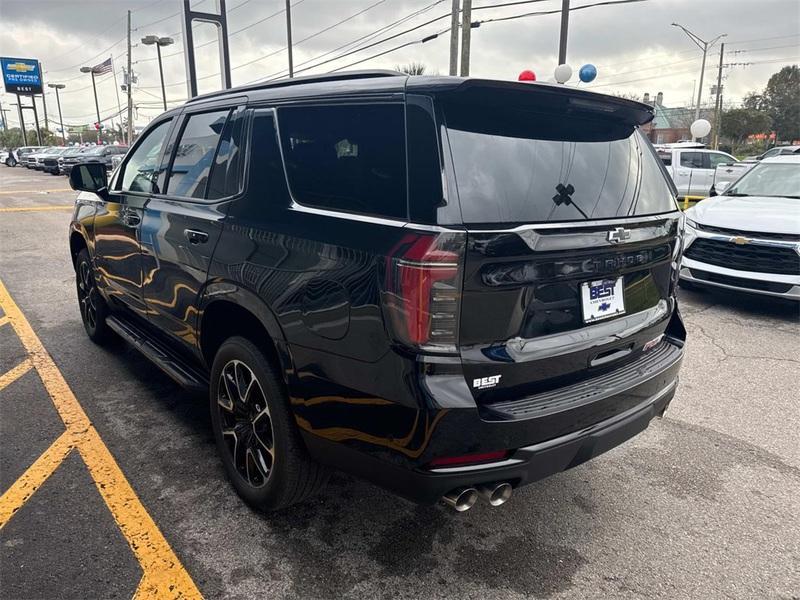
<point>461,499</point>
<point>495,494</point>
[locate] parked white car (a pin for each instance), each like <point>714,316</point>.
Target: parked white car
<point>749,238</point>
<point>692,166</point>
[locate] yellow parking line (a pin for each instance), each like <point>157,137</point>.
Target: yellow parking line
<point>32,479</point>
<point>11,376</point>
<point>35,208</point>
<point>35,191</point>
<point>163,574</point>
<point>3,320</point>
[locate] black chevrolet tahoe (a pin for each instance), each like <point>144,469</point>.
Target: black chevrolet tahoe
<point>450,287</point>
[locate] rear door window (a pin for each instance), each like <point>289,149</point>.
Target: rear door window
<point>195,153</point>
<point>347,158</point>
<point>515,166</point>
<point>694,160</point>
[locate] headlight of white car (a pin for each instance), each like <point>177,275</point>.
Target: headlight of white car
<point>689,231</point>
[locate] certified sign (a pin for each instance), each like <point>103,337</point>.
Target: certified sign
<point>21,75</point>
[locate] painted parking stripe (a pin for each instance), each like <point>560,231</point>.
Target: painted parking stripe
<point>35,208</point>
<point>36,191</point>
<point>11,376</point>
<point>163,574</point>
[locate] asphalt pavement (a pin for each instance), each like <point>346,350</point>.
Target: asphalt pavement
<point>704,504</point>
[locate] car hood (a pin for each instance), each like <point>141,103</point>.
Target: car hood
<point>749,213</point>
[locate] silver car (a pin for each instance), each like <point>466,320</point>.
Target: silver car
<point>748,239</point>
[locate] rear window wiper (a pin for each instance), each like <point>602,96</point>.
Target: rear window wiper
<point>736,194</point>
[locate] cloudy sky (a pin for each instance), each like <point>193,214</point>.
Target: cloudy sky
<point>633,45</point>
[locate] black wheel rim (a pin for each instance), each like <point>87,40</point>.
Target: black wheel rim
<point>87,295</point>
<point>246,423</point>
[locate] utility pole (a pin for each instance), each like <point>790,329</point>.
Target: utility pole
<point>454,38</point>
<point>562,40</point>
<point>704,46</point>
<point>129,89</point>
<point>289,35</point>
<point>466,33</point>
<point>718,103</point>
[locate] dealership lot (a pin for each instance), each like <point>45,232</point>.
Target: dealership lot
<point>703,504</point>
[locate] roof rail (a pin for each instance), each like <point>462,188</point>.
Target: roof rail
<point>325,77</point>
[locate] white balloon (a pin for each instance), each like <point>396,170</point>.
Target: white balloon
<point>563,73</point>
<point>700,128</point>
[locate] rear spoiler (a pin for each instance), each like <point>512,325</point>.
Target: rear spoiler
<point>534,96</point>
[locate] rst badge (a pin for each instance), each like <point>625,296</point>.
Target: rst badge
<point>482,383</point>
<point>602,299</point>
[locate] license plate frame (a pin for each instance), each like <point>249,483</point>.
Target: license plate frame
<point>602,299</point>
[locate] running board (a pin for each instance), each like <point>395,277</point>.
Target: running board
<point>185,374</point>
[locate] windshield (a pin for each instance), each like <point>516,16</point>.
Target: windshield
<point>95,151</point>
<point>769,179</point>
<point>514,166</point>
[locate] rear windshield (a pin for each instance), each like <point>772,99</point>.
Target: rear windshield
<point>514,166</point>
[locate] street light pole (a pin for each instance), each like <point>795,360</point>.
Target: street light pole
<point>151,40</point>
<point>704,46</point>
<point>96,105</point>
<point>56,87</point>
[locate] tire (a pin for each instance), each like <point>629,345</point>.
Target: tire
<point>94,309</point>
<point>257,439</point>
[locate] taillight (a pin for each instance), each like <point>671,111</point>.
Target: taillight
<point>423,290</point>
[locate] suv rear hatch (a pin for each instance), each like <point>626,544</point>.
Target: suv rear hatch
<point>572,236</point>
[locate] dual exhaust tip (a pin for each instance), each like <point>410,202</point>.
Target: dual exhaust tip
<point>463,498</point>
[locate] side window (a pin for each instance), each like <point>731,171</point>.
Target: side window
<point>194,154</point>
<point>693,160</point>
<point>424,164</point>
<point>141,170</point>
<point>666,158</point>
<point>349,158</point>
<point>716,159</point>
<point>226,177</point>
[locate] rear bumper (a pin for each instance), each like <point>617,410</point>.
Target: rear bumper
<point>525,465</point>
<point>393,446</point>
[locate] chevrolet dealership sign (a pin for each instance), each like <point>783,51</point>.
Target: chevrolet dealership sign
<point>21,75</point>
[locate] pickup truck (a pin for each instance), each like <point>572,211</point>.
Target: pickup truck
<point>692,167</point>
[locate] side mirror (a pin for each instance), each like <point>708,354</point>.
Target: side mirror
<point>89,177</point>
<point>721,187</point>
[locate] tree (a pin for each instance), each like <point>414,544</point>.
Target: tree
<point>412,68</point>
<point>739,123</point>
<point>781,102</point>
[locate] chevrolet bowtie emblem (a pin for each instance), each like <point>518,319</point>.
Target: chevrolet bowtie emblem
<point>740,240</point>
<point>20,67</point>
<point>618,235</point>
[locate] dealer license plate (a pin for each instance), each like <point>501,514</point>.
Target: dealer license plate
<point>602,299</point>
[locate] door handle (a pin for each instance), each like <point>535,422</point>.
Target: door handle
<point>195,236</point>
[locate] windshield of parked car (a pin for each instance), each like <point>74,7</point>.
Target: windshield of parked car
<point>96,151</point>
<point>515,166</point>
<point>769,179</point>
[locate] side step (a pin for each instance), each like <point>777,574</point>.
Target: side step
<point>185,374</point>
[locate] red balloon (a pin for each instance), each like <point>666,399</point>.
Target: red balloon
<point>527,75</point>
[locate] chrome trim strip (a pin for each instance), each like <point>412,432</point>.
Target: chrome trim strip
<point>470,468</point>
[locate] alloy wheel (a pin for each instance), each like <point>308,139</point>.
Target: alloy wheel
<point>246,423</point>
<point>87,294</point>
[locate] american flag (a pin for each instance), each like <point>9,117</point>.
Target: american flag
<point>103,68</point>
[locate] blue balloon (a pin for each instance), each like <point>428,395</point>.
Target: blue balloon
<point>587,73</point>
